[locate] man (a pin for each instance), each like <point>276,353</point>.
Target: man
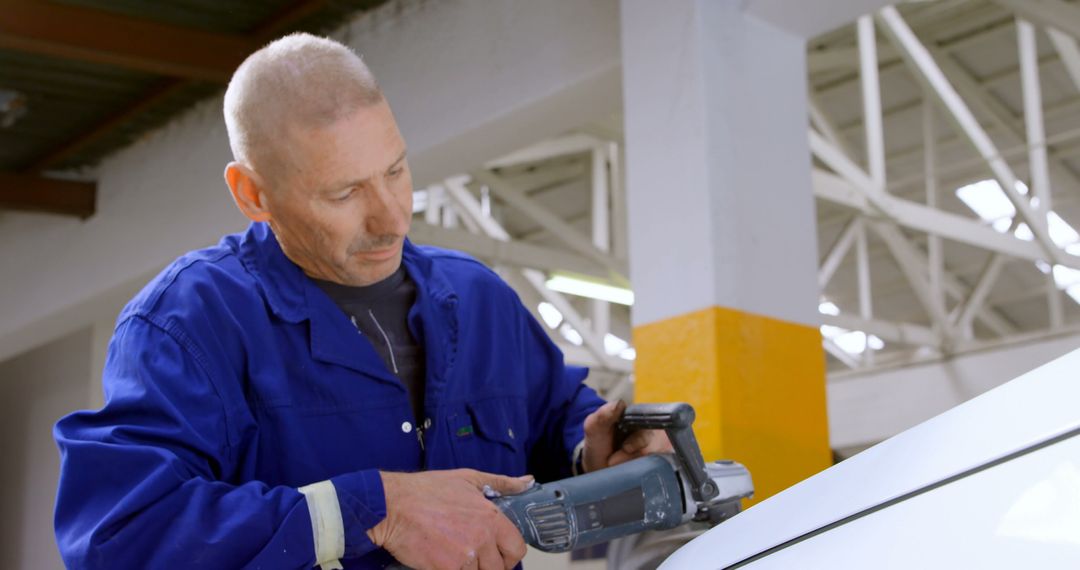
<point>318,388</point>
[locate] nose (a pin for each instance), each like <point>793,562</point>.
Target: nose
<point>385,215</point>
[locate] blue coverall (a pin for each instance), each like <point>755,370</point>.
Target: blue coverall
<point>232,380</point>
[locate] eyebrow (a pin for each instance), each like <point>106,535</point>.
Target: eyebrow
<point>350,183</point>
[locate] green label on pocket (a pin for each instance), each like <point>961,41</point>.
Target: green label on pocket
<point>464,431</point>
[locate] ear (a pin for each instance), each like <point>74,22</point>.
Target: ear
<point>247,191</point>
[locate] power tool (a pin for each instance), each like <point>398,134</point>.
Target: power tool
<point>657,492</point>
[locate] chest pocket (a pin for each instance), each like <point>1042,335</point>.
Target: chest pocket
<point>489,435</point>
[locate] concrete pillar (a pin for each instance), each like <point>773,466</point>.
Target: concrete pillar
<point>723,248</point>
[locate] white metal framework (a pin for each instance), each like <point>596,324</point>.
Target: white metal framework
<point>951,262</point>
<point>908,271</point>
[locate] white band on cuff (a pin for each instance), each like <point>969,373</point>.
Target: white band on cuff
<point>326,525</point>
<point>577,459</point>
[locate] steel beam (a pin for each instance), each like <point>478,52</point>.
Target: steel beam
<point>831,262</point>
<point>601,230</point>
<point>934,253</point>
<point>97,36</point>
<point>1049,13</point>
<point>862,265</point>
<point>39,194</point>
<point>823,125</point>
<point>833,188</point>
<point>512,195</point>
<point>871,92</point>
<point>975,300</point>
<point>901,333</point>
<point>1069,51</point>
<point>511,253</point>
<point>915,270</point>
<point>575,143</point>
<point>850,193</point>
<point>838,353</point>
<point>265,31</point>
<point>842,58</point>
<point>471,207</point>
<point>1033,116</point>
<point>619,214</point>
<point>921,61</point>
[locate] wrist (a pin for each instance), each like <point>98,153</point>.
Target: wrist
<point>377,534</point>
<point>362,499</point>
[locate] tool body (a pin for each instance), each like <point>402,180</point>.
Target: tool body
<point>657,492</point>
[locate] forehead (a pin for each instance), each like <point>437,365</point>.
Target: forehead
<point>358,145</point>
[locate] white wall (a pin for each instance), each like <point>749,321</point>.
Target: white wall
<point>868,407</point>
<point>39,387</point>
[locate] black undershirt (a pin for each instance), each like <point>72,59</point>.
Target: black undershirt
<point>380,312</point>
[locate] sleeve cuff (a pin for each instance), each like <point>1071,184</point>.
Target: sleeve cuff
<point>577,465</point>
<point>363,505</point>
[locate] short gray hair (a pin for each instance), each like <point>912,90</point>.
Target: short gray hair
<point>299,79</point>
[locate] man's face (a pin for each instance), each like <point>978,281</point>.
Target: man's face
<point>343,208</point>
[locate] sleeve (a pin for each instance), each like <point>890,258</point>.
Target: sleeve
<point>560,402</point>
<point>140,480</point>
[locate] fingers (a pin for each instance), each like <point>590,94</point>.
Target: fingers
<point>509,541</point>
<point>600,434</point>
<point>640,444</point>
<point>472,561</point>
<point>620,457</point>
<point>638,441</point>
<point>488,557</point>
<point>603,420</point>
<point>500,483</point>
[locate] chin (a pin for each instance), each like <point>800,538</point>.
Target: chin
<point>369,273</point>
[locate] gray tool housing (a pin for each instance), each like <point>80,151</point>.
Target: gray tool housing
<point>657,492</point>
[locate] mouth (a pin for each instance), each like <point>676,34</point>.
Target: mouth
<point>378,254</point>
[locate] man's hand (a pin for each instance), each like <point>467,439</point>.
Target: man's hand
<point>440,520</point>
<point>600,451</point>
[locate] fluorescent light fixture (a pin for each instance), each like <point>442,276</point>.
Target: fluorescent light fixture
<point>571,335</point>
<point>552,317</point>
<point>1061,232</point>
<point>1074,292</point>
<point>1066,277</point>
<point>590,289</point>
<point>988,200</point>
<point>851,342</point>
<point>828,308</point>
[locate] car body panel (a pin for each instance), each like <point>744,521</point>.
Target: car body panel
<point>980,434</point>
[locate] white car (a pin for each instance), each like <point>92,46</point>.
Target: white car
<point>993,483</point>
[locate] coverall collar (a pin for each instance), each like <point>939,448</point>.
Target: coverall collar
<point>294,298</point>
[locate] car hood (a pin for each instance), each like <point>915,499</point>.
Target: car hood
<point>1015,416</point>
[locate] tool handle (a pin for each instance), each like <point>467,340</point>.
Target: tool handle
<point>677,415</point>
<point>677,419</point>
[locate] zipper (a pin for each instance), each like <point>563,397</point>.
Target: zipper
<point>420,429</point>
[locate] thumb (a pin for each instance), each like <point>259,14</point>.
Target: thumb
<point>505,485</point>
<point>603,420</point>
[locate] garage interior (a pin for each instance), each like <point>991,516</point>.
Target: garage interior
<point>931,148</point>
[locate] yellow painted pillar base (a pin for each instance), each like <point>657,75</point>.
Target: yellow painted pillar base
<point>757,384</point>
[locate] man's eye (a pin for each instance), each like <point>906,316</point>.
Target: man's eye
<point>343,197</point>
<point>395,172</point>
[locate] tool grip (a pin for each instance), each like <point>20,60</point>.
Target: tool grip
<point>676,415</point>
<point>677,420</point>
